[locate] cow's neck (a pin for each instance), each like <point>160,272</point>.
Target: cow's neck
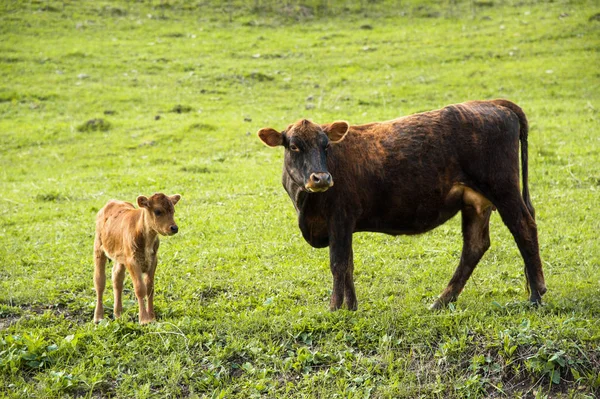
<point>312,213</point>
<point>300,197</point>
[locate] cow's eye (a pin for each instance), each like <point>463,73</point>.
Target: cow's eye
<point>328,146</point>
<point>157,212</point>
<point>294,147</point>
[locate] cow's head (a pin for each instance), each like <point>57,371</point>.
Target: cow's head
<point>160,212</point>
<point>306,146</point>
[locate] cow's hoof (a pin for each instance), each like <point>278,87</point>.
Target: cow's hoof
<point>542,290</point>
<point>351,306</point>
<point>335,303</point>
<point>536,300</point>
<point>437,305</point>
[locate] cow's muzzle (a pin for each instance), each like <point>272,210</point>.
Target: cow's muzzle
<point>319,182</point>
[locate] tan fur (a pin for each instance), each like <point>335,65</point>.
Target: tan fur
<point>470,198</point>
<point>129,237</point>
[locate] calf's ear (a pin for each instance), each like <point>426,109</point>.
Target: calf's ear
<point>270,137</point>
<point>143,202</point>
<point>175,198</point>
<point>337,131</point>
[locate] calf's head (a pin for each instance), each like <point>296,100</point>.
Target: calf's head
<point>306,146</point>
<point>159,212</point>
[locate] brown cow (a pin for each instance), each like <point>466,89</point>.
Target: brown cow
<point>129,237</point>
<point>408,176</point>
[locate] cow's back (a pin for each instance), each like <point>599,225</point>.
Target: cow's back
<point>397,175</point>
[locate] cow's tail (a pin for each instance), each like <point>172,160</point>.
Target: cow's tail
<point>524,130</point>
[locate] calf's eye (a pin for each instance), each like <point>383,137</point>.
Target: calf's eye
<point>294,147</point>
<point>157,213</point>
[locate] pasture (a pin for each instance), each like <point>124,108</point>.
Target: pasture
<point>115,99</point>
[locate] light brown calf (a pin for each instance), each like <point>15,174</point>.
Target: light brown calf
<point>129,237</point>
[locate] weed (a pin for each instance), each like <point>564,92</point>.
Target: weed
<point>181,109</point>
<point>25,352</point>
<point>94,125</point>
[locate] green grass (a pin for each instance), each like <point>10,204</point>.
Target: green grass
<point>102,100</point>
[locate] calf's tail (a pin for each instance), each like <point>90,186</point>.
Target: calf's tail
<point>524,130</point>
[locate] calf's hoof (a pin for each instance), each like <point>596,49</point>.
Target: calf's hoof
<point>98,316</point>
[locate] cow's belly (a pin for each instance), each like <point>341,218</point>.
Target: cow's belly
<point>401,215</point>
<point>407,215</point>
<point>407,224</point>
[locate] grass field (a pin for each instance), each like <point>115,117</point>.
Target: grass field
<point>102,100</point>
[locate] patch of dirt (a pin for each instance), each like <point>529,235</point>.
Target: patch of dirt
<point>78,316</point>
<point>8,321</point>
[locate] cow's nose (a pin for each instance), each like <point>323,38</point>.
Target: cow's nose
<point>321,179</point>
<point>174,229</point>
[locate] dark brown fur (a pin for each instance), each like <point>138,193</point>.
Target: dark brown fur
<point>408,176</point>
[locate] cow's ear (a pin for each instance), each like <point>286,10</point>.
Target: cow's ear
<point>337,131</point>
<point>143,202</point>
<point>175,198</point>
<point>270,137</point>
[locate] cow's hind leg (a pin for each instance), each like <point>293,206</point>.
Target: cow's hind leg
<point>521,224</point>
<point>476,240</point>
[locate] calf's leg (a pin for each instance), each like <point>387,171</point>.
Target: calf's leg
<point>139,287</point>
<point>476,240</point>
<point>99,279</point>
<point>118,275</point>
<point>149,281</point>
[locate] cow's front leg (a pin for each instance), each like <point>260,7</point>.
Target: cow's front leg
<point>342,269</point>
<point>349,292</point>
